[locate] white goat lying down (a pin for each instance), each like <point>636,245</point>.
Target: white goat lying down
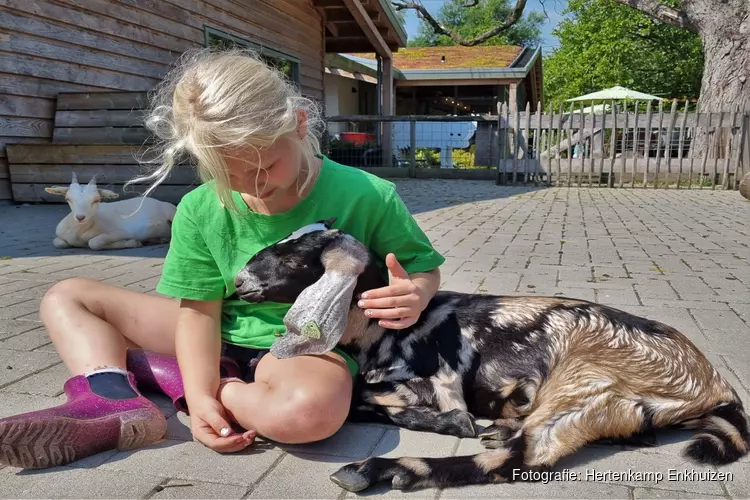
<point>107,226</point>
<point>553,373</point>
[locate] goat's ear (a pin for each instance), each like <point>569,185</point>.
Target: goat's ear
<point>329,223</point>
<point>62,191</point>
<point>106,194</point>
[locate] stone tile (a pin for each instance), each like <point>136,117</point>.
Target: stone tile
<point>651,493</point>
<point>738,485</point>
<point>10,327</point>
<point>178,427</point>
<point>17,364</point>
<point>607,465</point>
<point>301,476</point>
<point>352,441</point>
<point>406,443</point>
<point>15,404</point>
<point>15,311</point>
<point>47,382</point>
<point>617,297</point>
<point>568,489</point>
<point>27,341</point>
<point>67,482</point>
<point>189,460</point>
<point>175,488</point>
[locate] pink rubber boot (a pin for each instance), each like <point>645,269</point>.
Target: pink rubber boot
<point>85,425</point>
<point>160,373</point>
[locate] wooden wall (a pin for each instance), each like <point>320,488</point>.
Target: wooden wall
<point>51,46</point>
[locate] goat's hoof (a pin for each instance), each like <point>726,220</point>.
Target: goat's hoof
<point>496,435</point>
<point>350,478</point>
<point>460,424</point>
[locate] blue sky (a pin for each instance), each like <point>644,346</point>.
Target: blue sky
<point>554,11</point>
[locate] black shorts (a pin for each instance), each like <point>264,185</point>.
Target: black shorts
<point>247,358</point>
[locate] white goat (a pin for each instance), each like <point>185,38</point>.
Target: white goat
<point>107,226</point>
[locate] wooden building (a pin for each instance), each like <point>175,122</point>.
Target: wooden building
<point>74,73</point>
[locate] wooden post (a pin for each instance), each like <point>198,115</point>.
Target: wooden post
<point>549,145</point>
<point>658,144</point>
<point>717,147</point>
<point>623,146</point>
<point>612,148</point>
<point>513,98</point>
<point>672,120</point>
<point>412,148</point>
<point>731,141</point>
<point>581,133</point>
<point>647,146</point>
<point>591,148</point>
<point>387,100</point>
<point>635,146</point>
<point>525,144</point>
<point>692,144</point>
<point>706,150</point>
<point>557,149</point>
<point>500,175</point>
<point>681,144</point>
<point>601,147</point>
<point>537,160</point>
<point>569,148</point>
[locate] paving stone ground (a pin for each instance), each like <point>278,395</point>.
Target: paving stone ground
<point>681,257</point>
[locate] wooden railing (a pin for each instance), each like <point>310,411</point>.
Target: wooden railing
<point>644,146</point>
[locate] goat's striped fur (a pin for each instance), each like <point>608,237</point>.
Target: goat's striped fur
<point>553,373</point>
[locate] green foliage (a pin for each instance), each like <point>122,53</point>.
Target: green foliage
<point>470,22</point>
<point>603,43</point>
<point>427,157</point>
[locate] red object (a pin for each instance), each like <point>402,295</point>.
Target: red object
<point>358,138</point>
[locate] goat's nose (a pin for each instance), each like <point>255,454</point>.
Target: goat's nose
<point>238,279</point>
<point>80,217</point>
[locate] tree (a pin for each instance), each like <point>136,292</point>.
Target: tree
<point>722,25</point>
<point>471,23</point>
<point>603,43</point>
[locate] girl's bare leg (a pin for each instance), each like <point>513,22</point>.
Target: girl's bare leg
<point>296,400</point>
<point>92,323</point>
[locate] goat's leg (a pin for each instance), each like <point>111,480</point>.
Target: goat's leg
<point>501,430</point>
<point>61,243</point>
<point>112,242</point>
<point>556,428</point>
<point>452,423</point>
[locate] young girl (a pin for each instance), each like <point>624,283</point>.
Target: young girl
<point>254,140</point>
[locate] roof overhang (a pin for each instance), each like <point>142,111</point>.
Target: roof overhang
<point>519,69</point>
<point>361,26</point>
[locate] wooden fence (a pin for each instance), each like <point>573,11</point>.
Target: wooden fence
<point>637,145</point>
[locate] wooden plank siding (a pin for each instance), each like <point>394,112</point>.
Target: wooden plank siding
<point>34,167</point>
<point>53,46</point>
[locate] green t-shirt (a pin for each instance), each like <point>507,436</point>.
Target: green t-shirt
<point>211,243</point>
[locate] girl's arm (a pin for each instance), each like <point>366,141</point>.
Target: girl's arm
<point>400,304</point>
<point>198,348</point>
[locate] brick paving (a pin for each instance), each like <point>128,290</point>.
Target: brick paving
<point>681,257</point>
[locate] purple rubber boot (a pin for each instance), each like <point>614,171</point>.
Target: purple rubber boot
<point>160,373</point>
<point>85,425</point>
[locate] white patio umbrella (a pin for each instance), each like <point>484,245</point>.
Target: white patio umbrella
<point>616,93</point>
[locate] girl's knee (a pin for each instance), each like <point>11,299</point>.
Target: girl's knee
<point>62,293</point>
<point>308,417</point>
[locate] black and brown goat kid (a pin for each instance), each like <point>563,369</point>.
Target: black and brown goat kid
<point>553,373</point>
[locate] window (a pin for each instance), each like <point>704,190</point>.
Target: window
<point>286,64</point>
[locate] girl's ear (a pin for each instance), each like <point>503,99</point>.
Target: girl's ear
<point>301,124</point>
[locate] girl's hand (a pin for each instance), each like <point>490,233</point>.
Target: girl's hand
<point>209,425</point>
<point>399,304</point>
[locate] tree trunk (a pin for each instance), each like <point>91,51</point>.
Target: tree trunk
<point>724,28</point>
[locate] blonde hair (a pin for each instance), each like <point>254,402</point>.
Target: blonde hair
<point>224,99</point>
